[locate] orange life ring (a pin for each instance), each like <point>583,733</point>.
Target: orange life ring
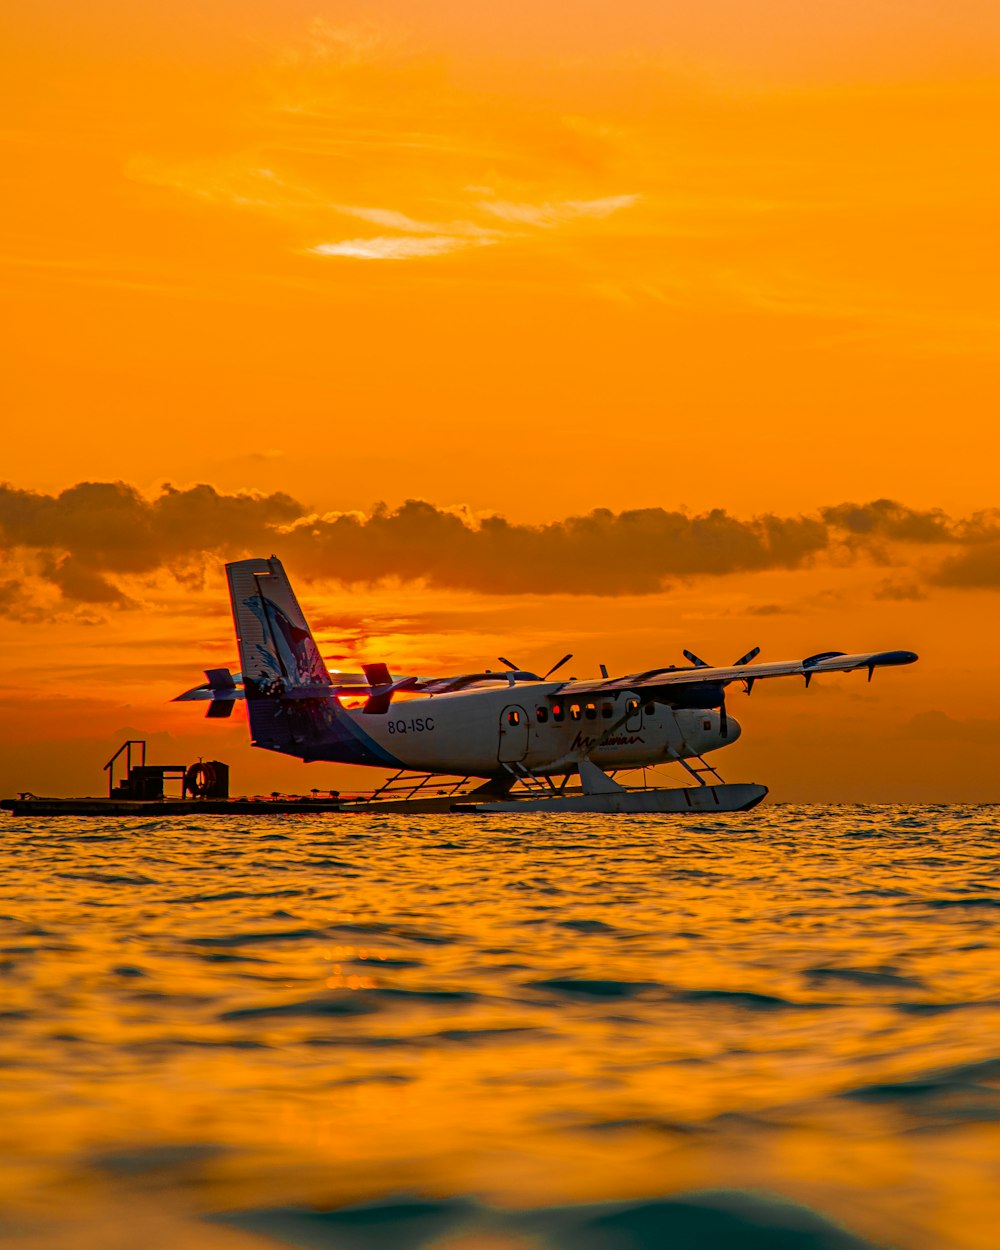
<point>199,779</point>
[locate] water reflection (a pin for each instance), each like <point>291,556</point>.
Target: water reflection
<point>245,1030</point>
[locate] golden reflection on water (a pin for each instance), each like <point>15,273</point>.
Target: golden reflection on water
<point>202,1020</point>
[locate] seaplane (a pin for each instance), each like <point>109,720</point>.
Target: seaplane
<point>530,742</point>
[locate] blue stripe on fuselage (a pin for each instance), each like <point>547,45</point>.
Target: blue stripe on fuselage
<point>345,742</point>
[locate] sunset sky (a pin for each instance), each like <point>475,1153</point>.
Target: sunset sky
<point>723,275</point>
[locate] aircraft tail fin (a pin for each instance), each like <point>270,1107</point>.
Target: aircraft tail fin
<point>277,649</point>
<point>284,677</point>
<point>290,696</point>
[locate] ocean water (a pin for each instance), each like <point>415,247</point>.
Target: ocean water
<point>769,1031</point>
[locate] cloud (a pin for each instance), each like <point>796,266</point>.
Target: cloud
<point>95,529</point>
<point>19,603</point>
<point>608,553</point>
<point>936,726</point>
<point>88,545</point>
<point>77,580</point>
<point>433,238</point>
<point>885,518</point>
<point>902,592</point>
<point>547,216</point>
<point>974,569</point>
<point>384,247</point>
<point>380,112</point>
<point>390,219</point>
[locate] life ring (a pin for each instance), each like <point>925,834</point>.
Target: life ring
<point>199,779</point>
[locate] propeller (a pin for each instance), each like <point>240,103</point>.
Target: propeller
<point>565,660</point>
<point>698,662</point>
<point>517,668</point>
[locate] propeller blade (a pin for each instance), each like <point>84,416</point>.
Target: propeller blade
<point>503,660</point>
<point>750,655</point>
<point>555,667</point>
<point>723,718</point>
<point>695,660</point>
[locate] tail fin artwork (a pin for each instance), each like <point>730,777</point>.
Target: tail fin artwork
<point>277,650</point>
<point>279,657</point>
<point>289,692</point>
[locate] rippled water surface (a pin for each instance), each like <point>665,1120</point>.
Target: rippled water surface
<point>778,1030</point>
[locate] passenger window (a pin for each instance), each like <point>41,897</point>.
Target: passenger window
<point>590,711</point>
<point>541,715</point>
<point>574,711</point>
<point>558,713</point>
<point>513,718</point>
<point>607,710</point>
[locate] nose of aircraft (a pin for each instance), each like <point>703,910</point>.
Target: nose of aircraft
<point>708,731</point>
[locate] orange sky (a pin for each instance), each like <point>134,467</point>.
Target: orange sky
<point>733,255</point>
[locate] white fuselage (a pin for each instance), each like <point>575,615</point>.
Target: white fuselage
<point>539,725</point>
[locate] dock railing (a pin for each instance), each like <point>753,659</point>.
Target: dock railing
<point>109,767</point>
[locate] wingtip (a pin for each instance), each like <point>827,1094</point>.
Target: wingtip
<point>890,658</point>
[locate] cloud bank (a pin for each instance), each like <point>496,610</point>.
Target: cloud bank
<point>86,540</point>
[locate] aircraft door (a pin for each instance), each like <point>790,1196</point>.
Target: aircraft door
<point>513,734</point>
<point>633,707</point>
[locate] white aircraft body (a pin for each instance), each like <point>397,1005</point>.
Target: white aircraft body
<point>503,726</point>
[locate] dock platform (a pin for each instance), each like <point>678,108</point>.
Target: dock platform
<point>31,805</point>
<point>204,791</point>
<point>683,800</point>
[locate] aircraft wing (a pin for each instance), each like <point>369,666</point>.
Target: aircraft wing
<point>223,689</point>
<point>825,662</point>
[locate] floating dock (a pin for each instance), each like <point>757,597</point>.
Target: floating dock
<point>739,797</point>
<point>204,791</point>
<point>33,805</point>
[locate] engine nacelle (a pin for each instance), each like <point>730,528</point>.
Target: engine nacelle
<point>698,694</point>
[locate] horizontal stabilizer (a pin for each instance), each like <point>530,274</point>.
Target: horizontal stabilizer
<point>222,686</point>
<point>220,679</point>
